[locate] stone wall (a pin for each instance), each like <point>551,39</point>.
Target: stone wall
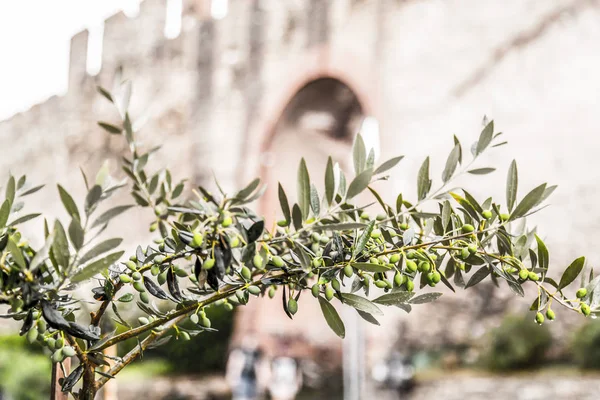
<point>425,69</point>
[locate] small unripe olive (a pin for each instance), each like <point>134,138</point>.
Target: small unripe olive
<point>410,285</point>
<point>329,293</point>
<point>411,265</point>
<point>436,277</point>
<point>581,293</point>
<point>184,336</point>
<point>257,261</point>
<point>125,278</point>
<point>136,276</point>
<point>367,280</point>
<point>375,233</point>
<point>411,254</point>
<point>373,260</point>
<point>399,279</point>
<point>523,274</point>
<point>585,309</point>
<point>315,289</point>
<point>381,284</point>
<point>41,326</point>
<point>58,356</point>
<point>272,292</point>
<point>155,270</point>
<point>504,217</point>
<point>348,271</point>
<point>278,261</point>
<point>381,217</point>
<point>139,286</point>
<point>205,322</point>
<point>472,248</point>
<point>51,343</point>
<point>208,263</point>
<point>424,266</point>
<point>162,277</point>
<point>226,222</point>
<point>383,260</point>
<point>245,272</point>
<point>255,290</point>
<point>229,306</point>
<point>234,242</point>
<point>539,318</point>
<point>143,321</point>
<point>159,259</point>
<point>180,272</point>
<point>144,297</point>
<point>282,223</point>
<point>533,276</point>
<point>404,226</point>
<point>153,226</point>
<point>364,215</point>
<point>315,237</point>
<point>292,306</point>
<point>68,351</point>
<point>324,239</point>
<point>335,284</point>
<point>465,253</point>
<point>131,265</point>
<point>468,228</point>
<point>194,318</point>
<point>550,315</point>
<point>32,335</point>
<point>197,240</point>
<point>487,214</point>
<point>316,262</point>
<point>59,343</point>
<point>394,258</point>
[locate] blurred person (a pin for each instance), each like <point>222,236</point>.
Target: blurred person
<point>286,375</point>
<point>246,372</point>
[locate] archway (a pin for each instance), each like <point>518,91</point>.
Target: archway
<point>321,119</point>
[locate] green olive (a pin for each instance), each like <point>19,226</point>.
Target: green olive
<point>411,265</point>
<point>194,318</point>
<point>329,293</point>
<point>381,217</point>
<point>465,253</point>
<point>208,263</point>
<point>472,248</point>
<point>139,286</point>
<point>581,293</point>
<point>278,261</point>
<point>375,233</point>
<point>253,289</point>
<point>364,215</point>
<point>348,271</point>
<point>136,276</point>
<point>205,322</point>
<point>144,297</point>
<point>257,261</point>
<point>524,274</point>
<point>245,272</point>
<point>292,306</point>
<point>143,321</point>
<point>410,285</point>
<point>197,240</point>
<point>335,284</point>
<point>550,315</point>
<point>468,228</point>
<point>585,309</point>
<point>226,222</point>
<point>234,242</point>
<point>184,336</point>
<point>394,258</point>
<point>315,289</point>
<point>381,284</point>
<point>131,265</point>
<point>533,276</point>
<point>155,270</point>
<point>58,356</point>
<point>539,318</point>
<point>272,292</point>
<point>68,351</point>
<point>424,266</point>
<point>399,279</point>
<point>504,217</point>
<point>487,214</point>
<point>125,278</point>
<point>282,223</point>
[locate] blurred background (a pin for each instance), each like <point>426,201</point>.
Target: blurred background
<point>239,88</point>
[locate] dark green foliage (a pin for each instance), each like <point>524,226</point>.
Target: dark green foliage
<point>516,344</point>
<point>585,346</point>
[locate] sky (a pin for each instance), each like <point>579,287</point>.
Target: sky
<point>34,45</point>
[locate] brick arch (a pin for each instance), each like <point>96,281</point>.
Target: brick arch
<point>318,63</point>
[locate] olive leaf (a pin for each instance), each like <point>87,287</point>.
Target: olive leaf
<point>110,128</point>
<point>68,202</point>
<point>394,298</point>
<point>315,202</point>
<point>359,183</point>
<point>363,239</point>
<point>360,303</point>
<point>76,233</point>
<point>100,248</point>
<point>389,164</point>
<point>110,214</point>
<point>96,267</point>
<point>329,181</point>
<point>303,189</point>
<point>370,267</point>
<point>4,213</point>
<point>359,154</point>
<point>283,202</point>
<point>423,181</point>
<point>542,252</point>
<point>528,202</point>
<point>451,164</point>
<point>425,298</point>
<point>512,184</point>
<point>481,171</point>
<point>332,318</point>
<point>485,138</point>
<point>478,276</point>
<point>571,272</point>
